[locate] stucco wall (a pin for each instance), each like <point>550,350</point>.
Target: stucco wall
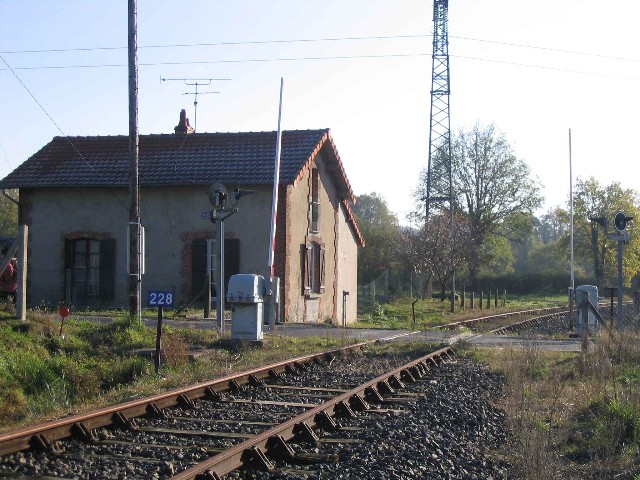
<point>347,269</point>
<point>172,217</point>
<point>340,251</point>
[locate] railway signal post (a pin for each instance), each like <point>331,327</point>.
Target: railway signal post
<point>620,223</point>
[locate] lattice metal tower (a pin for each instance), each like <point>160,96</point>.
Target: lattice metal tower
<point>439,185</point>
<point>439,170</point>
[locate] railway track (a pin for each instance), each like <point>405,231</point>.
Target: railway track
<point>250,420</point>
<point>502,317</point>
<point>211,429</point>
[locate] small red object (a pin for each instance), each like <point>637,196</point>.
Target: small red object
<point>64,311</point>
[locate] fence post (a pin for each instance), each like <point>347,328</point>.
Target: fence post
<point>373,296</point>
<point>504,298</point>
<point>489,300</point>
<point>481,299</point>
<point>495,299</point>
<point>473,300</point>
<point>462,305</point>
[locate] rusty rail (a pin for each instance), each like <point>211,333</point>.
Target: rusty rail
<point>254,451</point>
<point>42,435</point>
<point>499,316</point>
<point>516,327</point>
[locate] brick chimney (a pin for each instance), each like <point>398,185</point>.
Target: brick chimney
<point>183,127</point>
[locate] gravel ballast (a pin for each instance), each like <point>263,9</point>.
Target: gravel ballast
<point>447,429</point>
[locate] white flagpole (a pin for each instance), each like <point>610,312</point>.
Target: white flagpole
<point>274,215</point>
<point>572,285</point>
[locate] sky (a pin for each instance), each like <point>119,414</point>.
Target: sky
<point>359,67</point>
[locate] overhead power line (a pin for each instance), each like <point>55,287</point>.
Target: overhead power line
<point>332,57</point>
<point>321,39</point>
<point>548,49</point>
<point>89,164</point>
<point>220,44</point>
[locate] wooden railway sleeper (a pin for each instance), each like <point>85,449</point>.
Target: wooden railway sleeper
<point>42,444</point>
<point>211,394</point>
<point>208,475</point>
<point>79,430</point>
<point>255,458</point>
<point>343,410</point>
<point>185,402</point>
<point>423,369</point>
<point>371,394</point>
<point>300,366</point>
<point>358,404</point>
<point>120,420</point>
<point>234,386</point>
<point>153,410</point>
<point>305,433</point>
<point>289,370</point>
<point>395,382</point>
<point>275,375</point>
<point>415,371</point>
<point>325,422</point>
<point>384,388</point>
<point>278,447</point>
<point>255,381</point>
<point>407,376</point>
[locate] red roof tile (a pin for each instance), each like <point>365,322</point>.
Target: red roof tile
<point>196,159</point>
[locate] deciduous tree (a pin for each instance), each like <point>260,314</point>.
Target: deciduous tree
<point>490,184</point>
<point>8,215</point>
<point>379,227</point>
<point>592,247</point>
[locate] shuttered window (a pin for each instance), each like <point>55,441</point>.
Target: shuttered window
<point>314,268</point>
<point>91,264</point>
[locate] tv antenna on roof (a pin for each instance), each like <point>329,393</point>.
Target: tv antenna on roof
<point>195,82</point>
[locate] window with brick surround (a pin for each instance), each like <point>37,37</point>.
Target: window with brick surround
<point>90,263</point>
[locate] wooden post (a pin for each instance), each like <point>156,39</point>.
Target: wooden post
<point>462,299</point>
<point>67,287</point>
<point>504,298</point>
<point>373,296</point>
<point>158,340</point>
<point>495,298</point>
<point>489,300</point>
<point>21,294</point>
<point>481,299</point>
<point>473,300</point>
<point>134,278</point>
<point>207,295</point>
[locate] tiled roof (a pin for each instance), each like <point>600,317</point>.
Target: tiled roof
<point>244,158</point>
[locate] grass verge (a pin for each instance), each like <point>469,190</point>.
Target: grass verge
<point>572,415</point>
<point>429,313</point>
<point>44,375</point>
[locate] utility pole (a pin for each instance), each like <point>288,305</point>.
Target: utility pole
<point>134,230</point>
<point>439,169</point>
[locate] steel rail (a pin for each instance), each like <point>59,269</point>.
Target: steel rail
<point>536,320</point>
<point>526,323</point>
<point>253,450</point>
<point>43,434</point>
<point>498,316</point>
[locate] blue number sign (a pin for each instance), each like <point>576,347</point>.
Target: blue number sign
<point>158,298</point>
